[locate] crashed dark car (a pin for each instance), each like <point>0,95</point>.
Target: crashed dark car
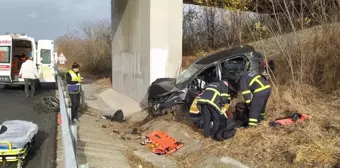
<point>165,93</point>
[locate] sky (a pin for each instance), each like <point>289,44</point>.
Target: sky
<point>47,19</point>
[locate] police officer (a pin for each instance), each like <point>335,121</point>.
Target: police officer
<point>208,111</point>
<point>256,91</point>
<point>74,80</point>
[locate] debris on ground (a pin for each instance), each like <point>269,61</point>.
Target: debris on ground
<point>118,116</point>
<point>294,118</point>
<point>47,104</point>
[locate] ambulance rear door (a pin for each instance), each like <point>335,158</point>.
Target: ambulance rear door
<point>45,61</point>
<point>5,59</point>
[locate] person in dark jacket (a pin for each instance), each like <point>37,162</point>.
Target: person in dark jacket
<point>74,80</point>
<point>208,111</point>
<point>256,91</point>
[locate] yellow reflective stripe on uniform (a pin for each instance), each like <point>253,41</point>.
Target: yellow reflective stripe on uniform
<point>246,92</point>
<point>254,124</point>
<point>214,90</point>
<point>252,120</point>
<point>225,94</point>
<point>214,97</point>
<point>210,102</point>
<point>216,93</point>
<point>262,88</point>
<point>255,79</point>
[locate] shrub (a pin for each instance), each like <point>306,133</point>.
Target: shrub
<point>91,47</point>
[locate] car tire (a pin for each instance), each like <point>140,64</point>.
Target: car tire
<point>3,86</point>
<point>180,112</point>
<point>47,104</point>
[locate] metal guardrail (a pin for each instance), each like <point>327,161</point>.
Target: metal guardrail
<point>69,131</point>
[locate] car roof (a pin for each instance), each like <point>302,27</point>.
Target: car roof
<point>225,54</point>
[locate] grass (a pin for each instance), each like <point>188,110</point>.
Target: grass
<point>104,82</point>
<point>306,82</point>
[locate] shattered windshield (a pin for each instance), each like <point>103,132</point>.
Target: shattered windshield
<point>188,73</point>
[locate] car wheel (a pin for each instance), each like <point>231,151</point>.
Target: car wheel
<point>47,104</point>
<point>180,112</point>
<point>2,86</point>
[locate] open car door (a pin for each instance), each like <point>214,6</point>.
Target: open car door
<point>5,59</point>
<point>45,61</point>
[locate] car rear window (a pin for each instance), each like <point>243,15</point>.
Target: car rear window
<point>4,54</point>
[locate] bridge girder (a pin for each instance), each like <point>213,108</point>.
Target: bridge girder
<point>274,6</point>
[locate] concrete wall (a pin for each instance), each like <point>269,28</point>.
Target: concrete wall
<point>147,44</point>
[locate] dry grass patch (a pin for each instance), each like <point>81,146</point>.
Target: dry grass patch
<point>104,82</point>
<point>305,81</point>
<point>314,143</point>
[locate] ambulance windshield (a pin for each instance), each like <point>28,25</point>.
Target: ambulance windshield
<point>4,54</point>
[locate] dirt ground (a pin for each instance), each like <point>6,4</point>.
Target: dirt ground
<point>299,145</point>
<point>314,143</point>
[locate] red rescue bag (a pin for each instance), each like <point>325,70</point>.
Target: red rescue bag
<point>296,117</point>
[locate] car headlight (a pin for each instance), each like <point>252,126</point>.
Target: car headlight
<point>4,78</point>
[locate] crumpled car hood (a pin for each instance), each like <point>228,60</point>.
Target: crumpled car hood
<point>161,87</point>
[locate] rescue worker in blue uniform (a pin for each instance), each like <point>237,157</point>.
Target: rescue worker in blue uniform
<point>256,91</point>
<point>208,111</point>
<point>74,80</point>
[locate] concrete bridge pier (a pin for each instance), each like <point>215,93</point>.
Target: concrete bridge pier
<point>146,45</point>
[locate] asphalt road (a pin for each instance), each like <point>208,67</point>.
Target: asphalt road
<point>14,105</point>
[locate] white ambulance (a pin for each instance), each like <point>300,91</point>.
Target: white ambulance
<point>14,48</point>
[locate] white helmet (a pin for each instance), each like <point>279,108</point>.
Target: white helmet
<point>201,83</point>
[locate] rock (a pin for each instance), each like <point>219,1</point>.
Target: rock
<point>232,162</point>
<point>130,137</point>
<point>116,131</point>
<point>135,137</point>
<point>135,131</point>
<point>138,117</point>
<point>224,162</point>
<point>103,126</point>
<point>118,116</point>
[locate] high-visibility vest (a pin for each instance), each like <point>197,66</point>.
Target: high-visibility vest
<point>74,88</point>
